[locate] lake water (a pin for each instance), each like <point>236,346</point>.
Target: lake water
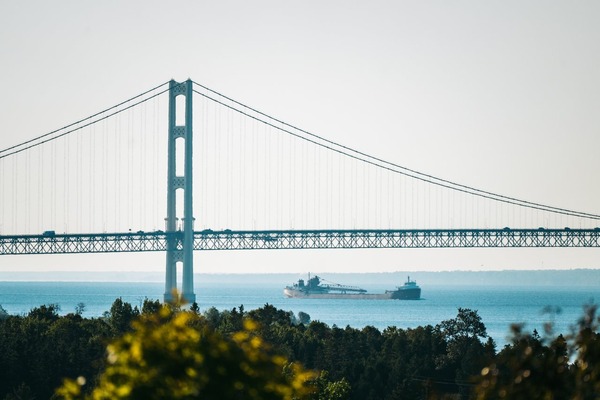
<point>499,306</point>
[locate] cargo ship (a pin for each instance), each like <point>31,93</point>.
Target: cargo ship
<point>314,288</point>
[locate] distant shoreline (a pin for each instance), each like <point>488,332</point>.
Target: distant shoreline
<point>574,277</point>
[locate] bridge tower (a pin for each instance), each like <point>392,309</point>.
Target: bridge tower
<point>180,250</point>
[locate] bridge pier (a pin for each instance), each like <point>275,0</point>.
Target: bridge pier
<point>180,250</point>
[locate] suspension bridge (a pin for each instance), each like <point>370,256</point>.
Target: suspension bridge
<point>237,178</point>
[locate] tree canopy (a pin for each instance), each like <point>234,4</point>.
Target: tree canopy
<point>174,356</point>
<point>169,352</point>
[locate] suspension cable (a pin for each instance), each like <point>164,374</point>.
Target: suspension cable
<point>37,141</point>
<point>366,158</point>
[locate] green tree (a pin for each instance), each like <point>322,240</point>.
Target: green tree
<point>327,390</point>
<point>465,352</point>
<point>47,312</point>
<point>165,357</point>
<point>467,324</point>
<point>40,349</point>
<point>80,308</point>
<point>195,308</point>
<point>3,313</point>
<point>269,314</point>
<point>212,317</point>
<point>303,318</point>
<point>121,315</point>
<point>151,306</point>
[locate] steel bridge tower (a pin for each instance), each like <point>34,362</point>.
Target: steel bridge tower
<point>175,231</point>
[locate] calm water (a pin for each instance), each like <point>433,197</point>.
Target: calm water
<point>498,306</point>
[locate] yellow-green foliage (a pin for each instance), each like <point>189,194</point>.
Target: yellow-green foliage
<point>175,356</point>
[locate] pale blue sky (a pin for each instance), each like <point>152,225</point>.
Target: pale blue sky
<point>499,95</point>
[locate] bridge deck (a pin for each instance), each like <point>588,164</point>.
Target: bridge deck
<point>306,239</point>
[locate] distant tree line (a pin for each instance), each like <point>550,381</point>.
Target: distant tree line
<point>166,351</point>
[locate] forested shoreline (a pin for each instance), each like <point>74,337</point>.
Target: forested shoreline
<point>454,359</point>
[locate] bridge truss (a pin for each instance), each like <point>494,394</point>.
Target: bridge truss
<point>304,239</point>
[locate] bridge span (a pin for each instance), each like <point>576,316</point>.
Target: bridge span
<point>297,239</point>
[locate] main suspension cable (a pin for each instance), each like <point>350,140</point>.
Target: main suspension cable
<point>375,161</point>
<point>31,143</point>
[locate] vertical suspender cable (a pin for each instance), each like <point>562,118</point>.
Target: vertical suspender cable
<point>282,168</point>
<point>76,184</point>
<point>92,182</point>
<point>354,194</point>
<point>130,175</point>
<point>244,198</point>
<point>28,190</point>
<point>428,199</point>
<point>155,163</point>
<point>3,200</point>
<point>15,228</point>
<point>142,166</point>
<point>390,196</point>
<point>104,177</point>
<point>230,170</point>
<point>80,177</point>
<point>379,196</point>
<point>342,198</point>
<point>266,188</point>
<point>289,186</point>
<point>40,180</point>
<point>366,195</point>
<point>66,194</point>
<point>317,186</point>
<point>215,163</point>
<point>117,176</point>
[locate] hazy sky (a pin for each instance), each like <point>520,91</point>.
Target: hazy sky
<point>499,95</point>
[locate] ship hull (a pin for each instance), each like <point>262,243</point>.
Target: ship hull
<point>388,295</point>
<point>407,294</point>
